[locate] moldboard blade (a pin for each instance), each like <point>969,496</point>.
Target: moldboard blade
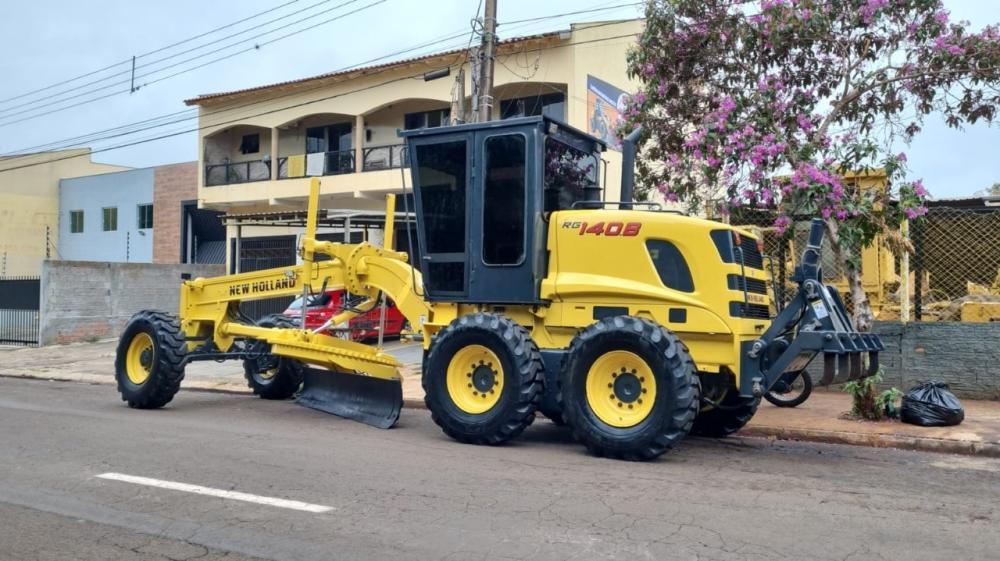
<point>372,401</point>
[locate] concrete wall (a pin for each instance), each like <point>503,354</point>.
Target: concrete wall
<point>83,300</point>
<point>124,190</point>
<point>965,355</point>
<point>172,185</point>
<point>29,203</point>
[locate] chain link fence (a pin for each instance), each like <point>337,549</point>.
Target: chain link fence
<point>954,271</point>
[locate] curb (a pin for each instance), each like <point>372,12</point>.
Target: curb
<point>901,442</point>
<point>870,440</point>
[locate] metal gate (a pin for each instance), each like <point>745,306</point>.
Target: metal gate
<point>19,310</point>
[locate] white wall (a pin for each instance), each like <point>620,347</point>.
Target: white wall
<point>124,190</point>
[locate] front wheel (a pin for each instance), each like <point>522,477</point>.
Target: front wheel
<point>629,389</point>
<point>149,361</point>
<point>791,390</point>
<point>268,375</point>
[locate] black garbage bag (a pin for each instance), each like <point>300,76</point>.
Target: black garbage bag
<point>931,405</point>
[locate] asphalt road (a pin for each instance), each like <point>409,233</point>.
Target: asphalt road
<point>412,494</point>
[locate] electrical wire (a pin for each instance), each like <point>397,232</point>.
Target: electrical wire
<point>255,47</point>
<point>161,49</point>
<point>164,59</point>
<point>287,107</point>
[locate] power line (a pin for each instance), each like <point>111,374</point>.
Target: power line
<point>163,59</point>
<point>255,47</point>
<point>287,107</point>
<point>161,49</point>
<point>90,136</point>
<point>578,12</point>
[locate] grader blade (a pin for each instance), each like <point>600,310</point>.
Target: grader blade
<point>366,399</point>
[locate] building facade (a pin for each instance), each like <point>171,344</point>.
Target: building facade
<point>145,215</point>
<point>259,146</point>
<point>29,205</point>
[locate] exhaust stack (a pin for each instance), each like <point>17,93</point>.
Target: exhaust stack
<point>628,168</point>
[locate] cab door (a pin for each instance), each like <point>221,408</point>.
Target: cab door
<point>441,172</point>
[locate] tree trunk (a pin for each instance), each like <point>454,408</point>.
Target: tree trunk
<point>863,317</point>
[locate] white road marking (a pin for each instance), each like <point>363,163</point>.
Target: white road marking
<point>221,493</point>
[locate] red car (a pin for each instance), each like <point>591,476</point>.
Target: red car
<point>323,307</point>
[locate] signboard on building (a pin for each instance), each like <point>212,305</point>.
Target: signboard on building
<point>605,105</point>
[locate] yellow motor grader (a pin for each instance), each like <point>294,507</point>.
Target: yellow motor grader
<point>632,325</point>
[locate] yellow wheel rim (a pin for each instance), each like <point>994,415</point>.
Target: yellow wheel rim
<point>475,379</point>
<point>621,389</point>
<point>139,359</point>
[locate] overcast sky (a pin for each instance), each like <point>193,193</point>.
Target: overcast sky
<point>46,41</point>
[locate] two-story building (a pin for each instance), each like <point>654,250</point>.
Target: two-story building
<point>260,146</point>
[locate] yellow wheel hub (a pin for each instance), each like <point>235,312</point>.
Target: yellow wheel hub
<point>475,379</point>
<point>139,359</point>
<point>621,389</point>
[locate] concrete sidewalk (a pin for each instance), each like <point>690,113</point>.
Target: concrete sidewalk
<point>821,419</point>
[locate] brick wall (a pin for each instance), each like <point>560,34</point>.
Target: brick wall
<point>965,355</point>
<point>172,185</point>
<point>85,300</point>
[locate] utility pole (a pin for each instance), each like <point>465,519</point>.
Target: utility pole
<point>458,99</point>
<point>487,51</point>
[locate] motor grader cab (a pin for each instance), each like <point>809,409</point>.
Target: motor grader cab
<point>633,326</point>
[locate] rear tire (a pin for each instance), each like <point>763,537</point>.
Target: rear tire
<point>483,379</point>
<point>270,376</point>
<point>149,361</point>
<point>629,389</point>
<point>730,415</point>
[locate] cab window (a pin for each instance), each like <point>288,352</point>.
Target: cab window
<point>670,265</point>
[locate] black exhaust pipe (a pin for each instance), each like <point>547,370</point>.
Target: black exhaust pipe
<point>628,168</point>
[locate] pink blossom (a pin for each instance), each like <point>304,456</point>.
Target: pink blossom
<point>782,223</point>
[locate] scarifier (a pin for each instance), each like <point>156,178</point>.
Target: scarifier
<point>634,326</point>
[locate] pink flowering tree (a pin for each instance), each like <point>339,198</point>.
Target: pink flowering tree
<point>767,104</point>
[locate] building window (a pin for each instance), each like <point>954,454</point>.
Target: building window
<point>110,218</point>
<point>76,221</point>
<point>329,138</point>
<point>551,105</point>
<point>145,214</point>
<point>426,119</point>
<point>250,143</point>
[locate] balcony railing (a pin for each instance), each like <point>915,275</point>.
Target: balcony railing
<point>317,163</point>
<point>308,165</point>
<point>385,157</point>
<point>239,172</point>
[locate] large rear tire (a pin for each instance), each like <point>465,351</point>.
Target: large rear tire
<point>149,361</point>
<point>483,379</point>
<point>725,416</point>
<point>270,376</point>
<point>629,389</point>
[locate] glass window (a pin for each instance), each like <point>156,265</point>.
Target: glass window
<point>568,172</point>
<point>250,144</point>
<point>441,179</point>
<point>329,138</point>
<point>76,221</point>
<point>670,265</point>
<point>503,200</point>
<point>551,105</point>
<point>145,216</point>
<point>426,119</point>
<point>110,218</point>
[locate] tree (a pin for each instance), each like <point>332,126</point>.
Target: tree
<point>767,104</point>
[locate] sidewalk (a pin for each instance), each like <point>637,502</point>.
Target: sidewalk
<point>817,420</point>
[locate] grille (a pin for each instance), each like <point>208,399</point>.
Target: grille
<point>756,286</point>
<point>744,310</point>
<point>751,253</point>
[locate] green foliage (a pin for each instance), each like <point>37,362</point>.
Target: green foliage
<point>868,403</point>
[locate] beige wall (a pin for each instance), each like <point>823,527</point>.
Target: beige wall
<point>384,95</point>
<point>29,202</point>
